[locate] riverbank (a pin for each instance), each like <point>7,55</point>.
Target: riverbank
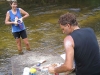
<point>31,59</point>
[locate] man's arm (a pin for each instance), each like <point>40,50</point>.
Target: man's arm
<point>68,64</point>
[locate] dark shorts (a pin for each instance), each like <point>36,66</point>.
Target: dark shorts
<point>21,34</point>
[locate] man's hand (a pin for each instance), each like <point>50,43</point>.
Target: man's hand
<point>51,68</point>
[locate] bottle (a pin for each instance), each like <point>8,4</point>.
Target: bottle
<point>26,71</point>
<point>20,24</point>
<point>16,19</point>
<point>32,71</point>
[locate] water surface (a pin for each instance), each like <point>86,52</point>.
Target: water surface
<point>43,31</point>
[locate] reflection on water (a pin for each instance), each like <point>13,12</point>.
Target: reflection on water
<point>43,31</point>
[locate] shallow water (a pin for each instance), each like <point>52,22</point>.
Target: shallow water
<point>43,31</point>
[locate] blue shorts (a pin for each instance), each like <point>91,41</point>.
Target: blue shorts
<point>21,34</point>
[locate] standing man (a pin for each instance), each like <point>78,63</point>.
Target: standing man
<point>15,19</point>
<point>80,45</point>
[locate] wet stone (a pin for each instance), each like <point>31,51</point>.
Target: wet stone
<point>31,59</point>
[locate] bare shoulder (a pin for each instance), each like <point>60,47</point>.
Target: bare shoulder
<point>7,14</point>
<point>20,9</point>
<point>23,11</point>
<point>68,38</point>
<point>68,41</point>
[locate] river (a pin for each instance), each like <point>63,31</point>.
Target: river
<point>43,31</point>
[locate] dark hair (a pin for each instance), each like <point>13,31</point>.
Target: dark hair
<point>68,18</point>
<point>10,2</point>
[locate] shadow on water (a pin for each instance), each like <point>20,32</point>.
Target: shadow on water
<point>43,30</point>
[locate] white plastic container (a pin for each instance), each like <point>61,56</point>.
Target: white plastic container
<point>26,71</point>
